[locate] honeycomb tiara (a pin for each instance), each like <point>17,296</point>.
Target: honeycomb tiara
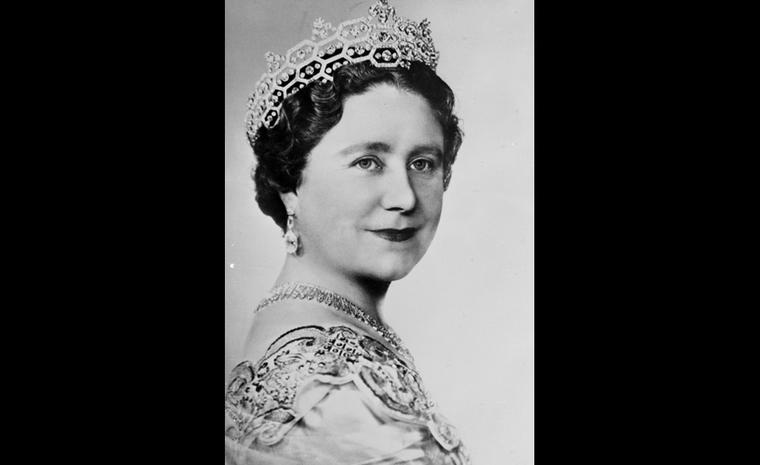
<point>382,38</point>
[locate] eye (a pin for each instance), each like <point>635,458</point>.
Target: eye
<point>368,164</point>
<point>422,164</point>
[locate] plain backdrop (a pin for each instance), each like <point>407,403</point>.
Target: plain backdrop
<point>466,311</point>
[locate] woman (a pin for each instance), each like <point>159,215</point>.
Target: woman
<point>355,137</point>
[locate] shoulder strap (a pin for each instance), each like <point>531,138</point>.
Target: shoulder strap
<point>301,332</point>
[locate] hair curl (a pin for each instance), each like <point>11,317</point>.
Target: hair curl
<point>282,151</point>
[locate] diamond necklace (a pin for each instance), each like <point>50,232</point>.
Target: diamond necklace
<point>304,291</point>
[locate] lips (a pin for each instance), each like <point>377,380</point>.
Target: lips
<point>395,235</point>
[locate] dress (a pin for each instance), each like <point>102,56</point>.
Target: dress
<point>334,395</point>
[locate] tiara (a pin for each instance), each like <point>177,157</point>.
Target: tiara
<point>382,38</point>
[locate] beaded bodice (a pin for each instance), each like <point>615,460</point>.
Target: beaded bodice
<point>262,399</point>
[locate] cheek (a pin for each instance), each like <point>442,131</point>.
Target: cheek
<point>333,208</point>
<point>431,202</point>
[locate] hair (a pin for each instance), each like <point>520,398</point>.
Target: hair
<point>282,151</point>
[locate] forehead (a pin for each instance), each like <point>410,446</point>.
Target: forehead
<point>385,114</point>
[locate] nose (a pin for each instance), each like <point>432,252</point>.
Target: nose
<point>398,193</point>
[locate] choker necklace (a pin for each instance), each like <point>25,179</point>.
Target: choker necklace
<point>303,291</point>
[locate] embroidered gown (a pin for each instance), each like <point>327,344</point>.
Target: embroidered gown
<point>334,395</point>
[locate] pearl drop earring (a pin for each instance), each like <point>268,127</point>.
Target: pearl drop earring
<point>291,238</point>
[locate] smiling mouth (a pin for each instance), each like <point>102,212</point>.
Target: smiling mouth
<point>395,235</point>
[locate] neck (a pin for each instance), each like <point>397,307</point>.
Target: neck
<point>364,292</point>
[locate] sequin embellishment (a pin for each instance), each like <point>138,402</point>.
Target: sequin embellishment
<point>261,397</point>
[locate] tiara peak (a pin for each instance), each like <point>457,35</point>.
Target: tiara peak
<point>383,38</point>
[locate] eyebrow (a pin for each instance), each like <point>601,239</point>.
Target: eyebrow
<point>366,146</point>
<point>385,148</point>
<point>431,149</point>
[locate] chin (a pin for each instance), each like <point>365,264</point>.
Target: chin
<point>392,269</point>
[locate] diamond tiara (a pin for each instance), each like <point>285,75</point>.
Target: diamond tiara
<point>382,38</point>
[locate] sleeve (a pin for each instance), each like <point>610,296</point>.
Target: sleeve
<point>318,397</point>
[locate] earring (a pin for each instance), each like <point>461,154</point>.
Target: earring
<point>291,238</point>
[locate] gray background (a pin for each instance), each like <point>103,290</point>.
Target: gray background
<point>466,311</point>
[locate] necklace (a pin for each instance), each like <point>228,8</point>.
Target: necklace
<point>303,291</point>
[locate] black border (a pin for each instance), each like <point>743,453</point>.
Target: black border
<point>124,350</point>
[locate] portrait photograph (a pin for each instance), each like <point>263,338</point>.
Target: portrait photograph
<point>379,230</point>
<point>379,211</point>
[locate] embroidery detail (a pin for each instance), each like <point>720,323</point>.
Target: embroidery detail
<point>261,397</point>
<point>304,291</point>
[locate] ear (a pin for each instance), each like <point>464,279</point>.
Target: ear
<point>290,200</point>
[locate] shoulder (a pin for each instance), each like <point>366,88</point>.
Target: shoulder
<point>266,398</point>
<point>280,319</point>
<point>335,379</point>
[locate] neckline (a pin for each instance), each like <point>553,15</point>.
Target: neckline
<point>333,300</point>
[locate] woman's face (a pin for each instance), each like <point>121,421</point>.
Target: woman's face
<point>372,190</point>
